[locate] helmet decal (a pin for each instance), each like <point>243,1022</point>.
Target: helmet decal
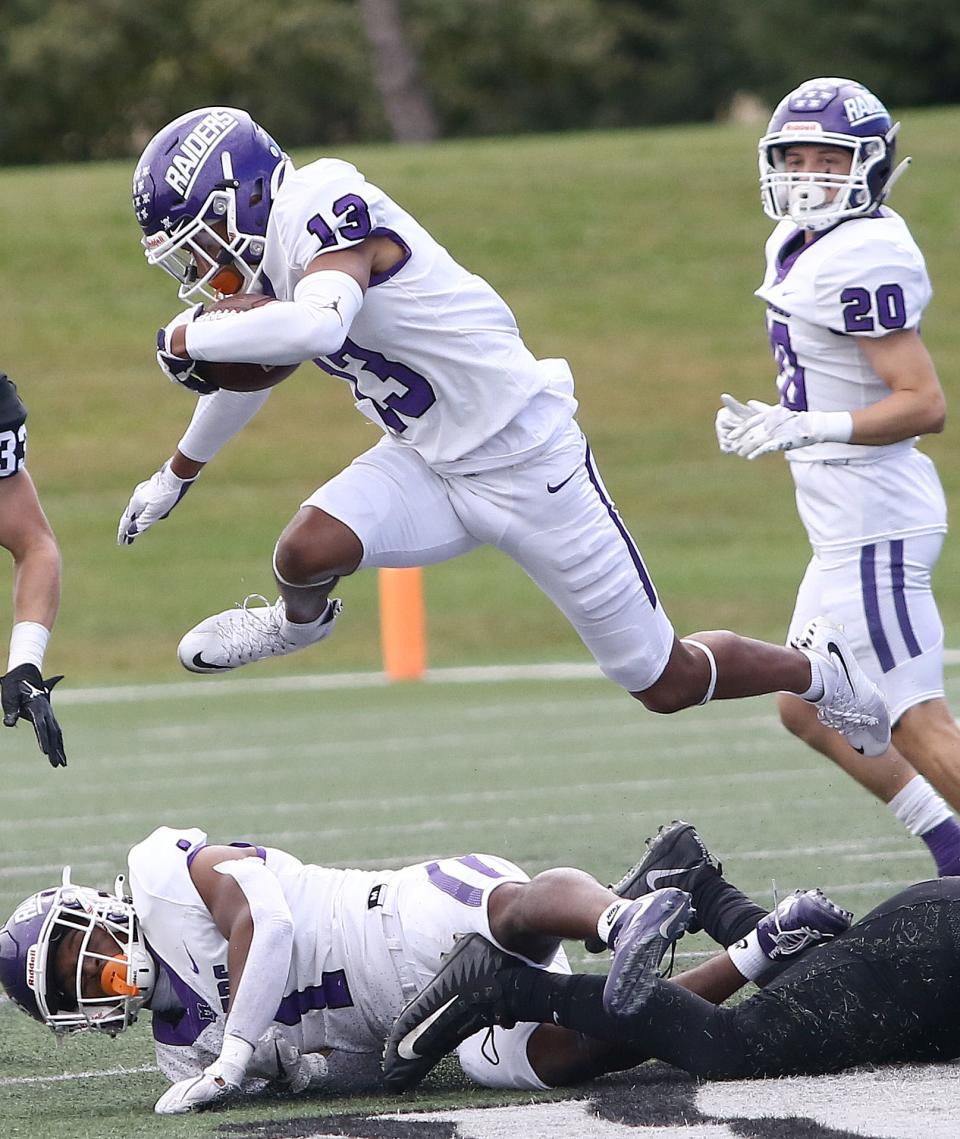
<point>829,112</point>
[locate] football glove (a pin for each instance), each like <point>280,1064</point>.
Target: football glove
<point>180,369</point>
<point>731,417</point>
<point>779,429</point>
<point>196,1092</point>
<point>151,502</point>
<point>25,694</point>
<point>296,1071</point>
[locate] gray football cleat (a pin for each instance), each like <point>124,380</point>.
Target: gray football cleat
<point>657,922</point>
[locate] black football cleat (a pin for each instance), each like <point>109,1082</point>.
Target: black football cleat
<point>460,1000</point>
<point>676,856</point>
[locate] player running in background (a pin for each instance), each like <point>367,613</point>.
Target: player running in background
<point>480,445</point>
<point>26,533</point>
<point>846,287</point>
<point>260,970</point>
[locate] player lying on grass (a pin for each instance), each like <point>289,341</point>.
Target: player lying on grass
<point>885,990</point>
<point>262,971</point>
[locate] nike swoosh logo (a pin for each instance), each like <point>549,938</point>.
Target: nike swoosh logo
<point>833,649</point>
<point>405,1048</point>
<point>196,967</point>
<point>560,485</point>
<point>654,876</point>
<point>205,665</point>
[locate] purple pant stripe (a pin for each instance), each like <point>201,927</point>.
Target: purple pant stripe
<point>624,532</point>
<point>900,598</point>
<point>871,607</point>
<point>462,891</point>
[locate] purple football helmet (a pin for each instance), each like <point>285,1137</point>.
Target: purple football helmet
<point>202,192</point>
<point>28,946</point>
<point>828,112</point>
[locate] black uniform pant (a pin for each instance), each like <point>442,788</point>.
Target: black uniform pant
<point>887,990</point>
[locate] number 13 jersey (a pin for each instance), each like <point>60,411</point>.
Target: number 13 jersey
<point>434,357</point>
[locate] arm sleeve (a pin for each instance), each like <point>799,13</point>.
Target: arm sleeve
<point>255,1000</point>
<point>314,323</point>
<point>217,418</point>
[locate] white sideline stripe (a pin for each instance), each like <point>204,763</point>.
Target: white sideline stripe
<point>7,1081</point>
<point>210,686</point>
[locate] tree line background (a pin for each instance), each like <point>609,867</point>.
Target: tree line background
<point>93,79</point>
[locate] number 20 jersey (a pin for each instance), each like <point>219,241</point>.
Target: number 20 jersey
<point>434,357</point>
<point>865,277</point>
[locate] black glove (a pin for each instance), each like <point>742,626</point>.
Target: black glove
<point>23,692</point>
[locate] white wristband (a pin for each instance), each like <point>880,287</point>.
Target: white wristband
<point>831,426</point>
<point>234,1058</point>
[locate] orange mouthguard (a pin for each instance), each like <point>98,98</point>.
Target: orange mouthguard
<point>113,979</point>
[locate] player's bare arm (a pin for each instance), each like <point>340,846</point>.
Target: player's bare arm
<point>26,533</point>
<point>916,404</point>
<point>227,904</point>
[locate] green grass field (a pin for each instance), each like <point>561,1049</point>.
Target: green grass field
<point>546,773</point>
<point>634,254</point>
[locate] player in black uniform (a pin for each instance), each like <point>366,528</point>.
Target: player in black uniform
<point>26,533</point>
<point>886,990</point>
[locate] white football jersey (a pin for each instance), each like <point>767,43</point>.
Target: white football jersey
<point>342,989</point>
<point>434,357</point>
<point>865,277</point>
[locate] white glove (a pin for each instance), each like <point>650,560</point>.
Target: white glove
<point>151,502</point>
<point>196,1092</point>
<point>731,417</point>
<point>296,1071</point>
<point>779,429</point>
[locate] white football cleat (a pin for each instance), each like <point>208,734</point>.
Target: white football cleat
<point>851,703</point>
<point>246,633</point>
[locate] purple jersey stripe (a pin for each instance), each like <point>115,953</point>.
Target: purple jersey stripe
<point>382,231</point>
<point>481,867</point>
<point>332,993</point>
<point>900,598</point>
<point>871,606</point>
<point>461,891</point>
<point>624,532</point>
<point>180,1026</point>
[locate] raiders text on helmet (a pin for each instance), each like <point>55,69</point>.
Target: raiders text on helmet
<point>828,112</point>
<point>202,193</point>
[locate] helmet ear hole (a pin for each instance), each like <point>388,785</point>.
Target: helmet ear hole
<point>256,194</point>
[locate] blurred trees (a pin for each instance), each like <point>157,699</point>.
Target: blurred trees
<point>95,78</point>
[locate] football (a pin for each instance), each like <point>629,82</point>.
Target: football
<point>240,377</point>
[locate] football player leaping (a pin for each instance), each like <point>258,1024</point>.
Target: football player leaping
<point>26,533</point>
<point>259,970</point>
<point>845,288</point>
<point>480,443</point>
